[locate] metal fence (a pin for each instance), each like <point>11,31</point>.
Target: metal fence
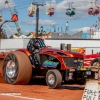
<point>66,35</point>
<point>78,35</point>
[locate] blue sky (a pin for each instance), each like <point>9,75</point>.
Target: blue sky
<point>80,21</point>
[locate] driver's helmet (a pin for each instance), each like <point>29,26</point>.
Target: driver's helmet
<point>36,43</point>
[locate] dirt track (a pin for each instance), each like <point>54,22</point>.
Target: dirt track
<point>39,92</point>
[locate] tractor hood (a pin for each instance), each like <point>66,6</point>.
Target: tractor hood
<point>76,54</point>
<point>63,53</point>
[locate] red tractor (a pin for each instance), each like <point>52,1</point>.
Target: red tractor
<point>52,64</point>
<point>41,61</point>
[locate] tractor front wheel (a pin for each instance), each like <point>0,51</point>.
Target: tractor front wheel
<point>53,78</point>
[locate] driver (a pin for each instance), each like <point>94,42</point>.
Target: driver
<point>35,51</point>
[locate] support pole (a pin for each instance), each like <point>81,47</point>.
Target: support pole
<point>37,16</point>
<point>37,20</point>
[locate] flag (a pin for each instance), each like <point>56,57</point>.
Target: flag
<point>58,29</point>
<point>96,23</point>
<point>98,20</point>
<point>54,29</point>
<point>61,31</point>
<point>53,24</point>
<point>67,26</point>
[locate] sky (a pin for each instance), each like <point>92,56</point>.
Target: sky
<point>81,21</point>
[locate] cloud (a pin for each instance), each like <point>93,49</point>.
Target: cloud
<point>84,29</point>
<point>5,6</point>
<point>26,32</point>
<point>41,22</point>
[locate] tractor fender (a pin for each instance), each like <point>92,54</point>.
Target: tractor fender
<point>25,51</point>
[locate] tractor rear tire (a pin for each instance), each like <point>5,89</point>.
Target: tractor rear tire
<point>53,78</point>
<point>17,68</point>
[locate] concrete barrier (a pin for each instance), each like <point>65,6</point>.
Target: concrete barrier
<point>92,87</point>
<point>91,91</point>
<point>91,46</point>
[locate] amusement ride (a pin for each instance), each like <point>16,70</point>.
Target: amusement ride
<point>70,11</point>
<point>94,10</point>
<point>50,11</point>
<point>16,23</point>
<point>31,10</point>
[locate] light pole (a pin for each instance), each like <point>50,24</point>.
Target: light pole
<point>37,16</point>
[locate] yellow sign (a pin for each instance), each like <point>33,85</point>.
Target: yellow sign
<point>80,50</point>
<point>83,68</point>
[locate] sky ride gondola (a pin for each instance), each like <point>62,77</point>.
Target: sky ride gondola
<point>50,11</point>
<point>95,10</point>
<point>31,10</point>
<point>70,11</point>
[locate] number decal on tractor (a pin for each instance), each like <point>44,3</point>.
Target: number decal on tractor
<point>48,63</point>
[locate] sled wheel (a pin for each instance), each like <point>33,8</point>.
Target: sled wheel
<point>17,68</point>
<point>53,78</point>
<point>96,62</point>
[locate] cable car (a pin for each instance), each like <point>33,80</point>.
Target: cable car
<point>31,10</point>
<point>93,11</point>
<point>50,11</point>
<point>70,11</point>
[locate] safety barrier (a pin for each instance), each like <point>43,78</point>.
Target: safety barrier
<point>92,87</point>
